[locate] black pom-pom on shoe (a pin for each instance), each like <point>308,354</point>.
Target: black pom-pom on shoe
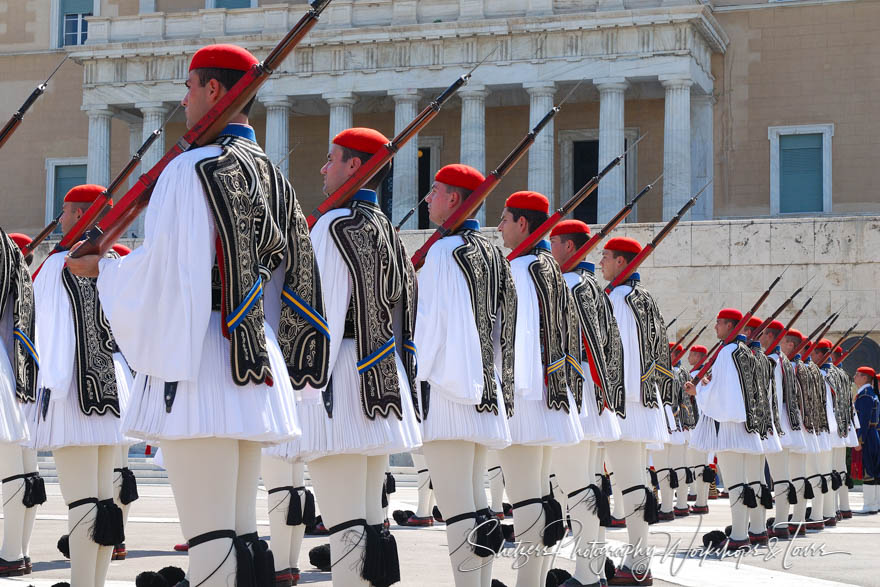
<point>319,557</point>
<point>150,579</point>
<point>64,546</point>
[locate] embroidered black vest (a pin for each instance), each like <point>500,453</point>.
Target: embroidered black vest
<point>249,244</point>
<point>791,392</point>
<point>383,306</point>
<point>303,334</point>
<point>840,393</point>
<point>757,419</point>
<point>688,413</point>
<point>16,289</point>
<point>559,331</point>
<point>493,299</point>
<point>602,346</point>
<point>654,368</point>
<point>766,389</point>
<point>820,398</point>
<point>95,371</point>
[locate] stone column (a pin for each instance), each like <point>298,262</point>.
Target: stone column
<point>541,168</point>
<point>676,145</point>
<point>135,140</point>
<point>341,104</point>
<point>278,131</point>
<point>612,191</point>
<point>473,132</point>
<point>98,168</point>
<point>154,117</point>
<point>702,154</point>
<point>406,162</point>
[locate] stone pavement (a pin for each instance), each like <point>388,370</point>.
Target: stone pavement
<point>845,555</point>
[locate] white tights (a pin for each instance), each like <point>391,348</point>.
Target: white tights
<point>755,476</point>
<point>18,521</point>
<point>86,472</point>
<point>496,481</point>
<point>426,494</point>
<point>628,460</point>
<point>214,481</point>
<point>695,460</point>
<point>286,541</point>
<point>839,458</point>
<point>349,488</point>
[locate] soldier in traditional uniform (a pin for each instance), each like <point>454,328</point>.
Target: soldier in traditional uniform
<point>731,423</point>
<point>701,472</point>
<point>369,409</point>
<point>647,377</point>
<point>815,420</point>
<point>788,427</point>
<point>83,390</point>
<point>765,387</point>
<point>212,384</point>
<point>22,485</point>
<point>600,357</point>
<point>868,409</point>
<point>545,411</point>
<point>465,331</point>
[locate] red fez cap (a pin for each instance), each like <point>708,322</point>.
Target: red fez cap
<point>866,371</point>
<point>460,176</point>
<point>85,194</point>
<point>623,244</point>
<point>838,350</point>
<point>365,140</point>
<point>730,314</point>
<point>22,240</point>
<point>122,250</point>
<point>795,333</point>
<point>824,344</point>
<point>754,322</point>
<point>570,227</point>
<point>679,348</point>
<point>698,348</point>
<point>223,57</point>
<point>528,201</point>
<point>776,325</point>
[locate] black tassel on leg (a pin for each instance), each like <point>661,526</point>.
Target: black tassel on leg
<point>34,490</point>
<point>294,509</point>
<point>673,479</point>
<point>262,560</point>
<point>554,523</point>
<point>688,475</point>
<point>708,474</point>
<point>489,533</point>
<point>606,485</point>
<point>390,483</point>
<point>381,563</point>
<point>108,529</point>
<point>849,481</point>
<point>750,500</point>
<point>836,482</point>
<point>766,497</point>
<point>654,481</point>
<point>128,492</point>
<point>309,509</point>
<point>792,493</point>
<point>808,490</point>
<point>824,484</point>
<point>244,564</point>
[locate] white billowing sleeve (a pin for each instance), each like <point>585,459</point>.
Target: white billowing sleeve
<point>54,330</point>
<point>450,356</point>
<point>158,298</point>
<point>336,287</point>
<point>629,337</point>
<point>528,364</point>
<point>721,398</point>
<point>777,377</point>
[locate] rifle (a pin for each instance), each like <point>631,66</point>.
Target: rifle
<point>687,347</point>
<point>611,225</point>
<point>16,118</point>
<point>101,203</point>
<point>649,248</point>
<point>709,354</point>
<point>668,326</point>
<point>736,329</point>
<point>757,331</point>
<point>791,322</point>
<point>855,346</point>
<point>573,202</point>
<point>840,340</point>
<point>806,343</point>
<point>683,336</point>
<point>479,195</point>
<point>100,238</point>
<point>374,164</point>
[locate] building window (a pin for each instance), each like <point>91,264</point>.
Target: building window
<point>231,4</point>
<point>74,27</point>
<point>61,175</point>
<point>800,169</point>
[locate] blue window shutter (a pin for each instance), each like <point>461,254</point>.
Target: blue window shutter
<point>66,177</point>
<point>232,3</point>
<point>77,6</point>
<point>800,173</point>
